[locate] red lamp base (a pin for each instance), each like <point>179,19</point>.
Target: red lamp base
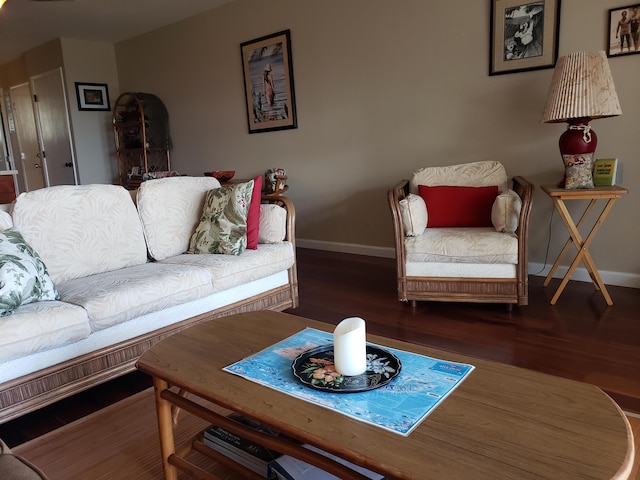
<point>577,142</point>
<point>578,138</point>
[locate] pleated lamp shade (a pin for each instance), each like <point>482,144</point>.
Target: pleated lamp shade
<point>581,87</point>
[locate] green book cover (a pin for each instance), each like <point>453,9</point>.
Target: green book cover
<point>604,172</point>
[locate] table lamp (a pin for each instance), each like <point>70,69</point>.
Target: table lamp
<point>581,90</point>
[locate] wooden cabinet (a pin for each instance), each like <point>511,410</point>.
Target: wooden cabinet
<point>143,142</point>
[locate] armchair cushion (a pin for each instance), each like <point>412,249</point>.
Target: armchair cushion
<point>505,212</point>
<point>462,245</point>
<point>17,468</point>
<point>414,215</point>
<point>458,206</point>
<point>475,174</point>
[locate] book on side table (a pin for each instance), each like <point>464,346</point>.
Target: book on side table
<point>604,172</point>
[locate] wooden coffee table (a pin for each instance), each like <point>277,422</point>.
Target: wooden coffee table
<point>501,422</point>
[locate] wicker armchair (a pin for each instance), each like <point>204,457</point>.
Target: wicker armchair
<point>462,263</point>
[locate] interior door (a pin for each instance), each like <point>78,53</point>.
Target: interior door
<point>28,157</point>
<point>5,159</point>
<point>54,128</point>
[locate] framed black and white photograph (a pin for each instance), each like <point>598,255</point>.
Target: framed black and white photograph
<point>624,31</point>
<point>268,83</point>
<point>92,96</point>
<point>524,35</point>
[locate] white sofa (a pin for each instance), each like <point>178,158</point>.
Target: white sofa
<point>125,282</point>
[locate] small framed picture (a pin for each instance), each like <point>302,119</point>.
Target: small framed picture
<point>92,96</point>
<point>624,31</point>
<point>524,35</point>
<point>268,83</point>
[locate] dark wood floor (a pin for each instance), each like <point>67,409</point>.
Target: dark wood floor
<point>578,338</point>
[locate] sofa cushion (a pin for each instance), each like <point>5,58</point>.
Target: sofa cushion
<point>414,215</point>
<point>227,271</point>
<point>115,297</point>
<point>474,174</point>
<point>223,224</point>
<point>458,206</point>
<point>170,210</point>
<point>23,275</point>
<point>40,326</point>
<point>462,245</point>
<point>81,230</point>
<point>273,223</point>
<point>5,220</point>
<point>505,212</point>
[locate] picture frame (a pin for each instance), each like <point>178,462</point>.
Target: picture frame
<point>524,35</point>
<point>621,19</point>
<point>92,96</point>
<point>268,83</point>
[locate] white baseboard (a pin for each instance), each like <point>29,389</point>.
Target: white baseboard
<point>620,279</point>
<point>352,248</point>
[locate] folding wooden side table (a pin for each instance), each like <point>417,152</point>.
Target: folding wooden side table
<point>559,196</point>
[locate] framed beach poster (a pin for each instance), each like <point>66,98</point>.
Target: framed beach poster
<point>268,83</point>
<point>624,31</point>
<point>524,35</point>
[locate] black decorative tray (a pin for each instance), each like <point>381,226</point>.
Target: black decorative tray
<point>315,369</point>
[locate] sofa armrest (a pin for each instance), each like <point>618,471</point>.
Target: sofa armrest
<point>287,204</point>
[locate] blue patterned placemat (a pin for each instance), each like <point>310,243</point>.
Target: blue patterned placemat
<point>399,406</point>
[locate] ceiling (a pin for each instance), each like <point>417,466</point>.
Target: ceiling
<point>25,24</point>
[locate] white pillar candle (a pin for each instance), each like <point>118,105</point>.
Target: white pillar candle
<point>350,347</point>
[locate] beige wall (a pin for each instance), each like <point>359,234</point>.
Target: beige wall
<point>382,89</point>
<point>92,133</point>
<point>91,62</point>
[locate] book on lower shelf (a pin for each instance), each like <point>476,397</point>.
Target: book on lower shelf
<point>245,452</point>
<point>605,171</point>
<point>286,467</point>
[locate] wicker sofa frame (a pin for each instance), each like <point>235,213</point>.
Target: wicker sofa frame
<point>44,387</point>
<point>479,290</point>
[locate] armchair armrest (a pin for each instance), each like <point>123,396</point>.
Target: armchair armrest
<point>394,195</point>
<point>524,189</point>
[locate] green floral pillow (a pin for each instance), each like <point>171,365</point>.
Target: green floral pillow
<point>23,274</point>
<point>223,224</point>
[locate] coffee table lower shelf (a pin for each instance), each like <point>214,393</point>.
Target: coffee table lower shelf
<point>169,403</point>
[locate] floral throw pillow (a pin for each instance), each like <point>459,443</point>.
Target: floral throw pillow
<point>577,171</point>
<point>223,223</point>
<point>23,275</point>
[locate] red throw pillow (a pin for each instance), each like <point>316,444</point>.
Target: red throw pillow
<point>253,216</point>
<point>452,206</point>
